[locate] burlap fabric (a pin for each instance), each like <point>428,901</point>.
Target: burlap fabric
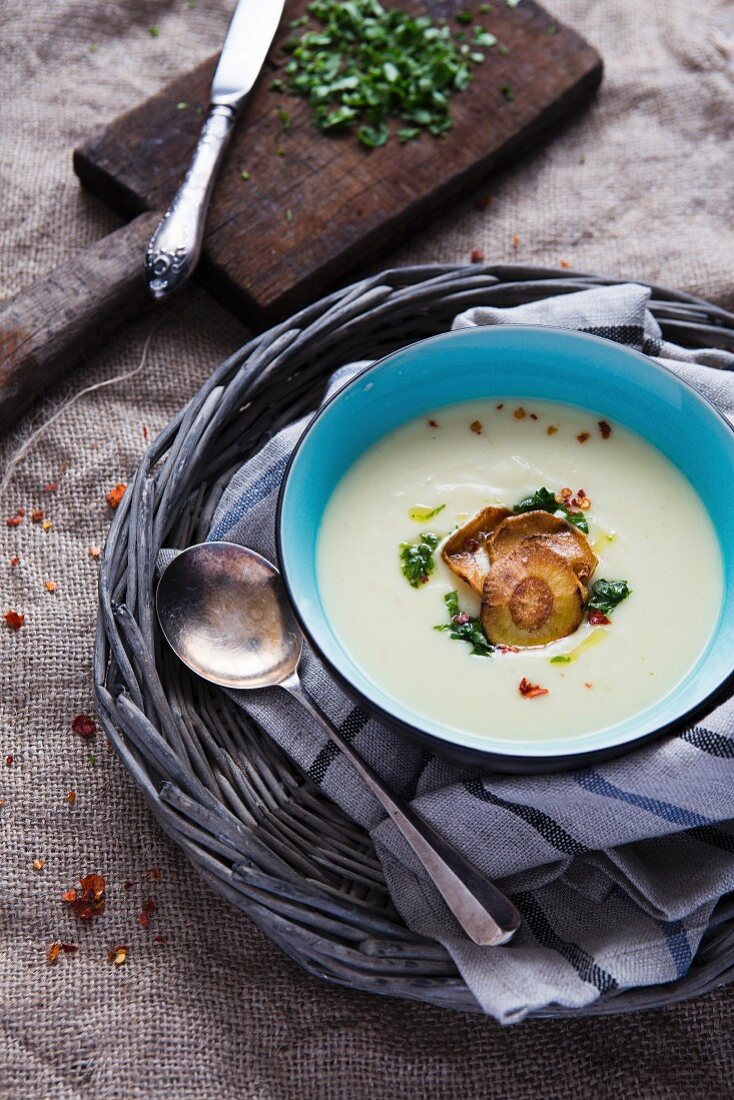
<point>641,186</point>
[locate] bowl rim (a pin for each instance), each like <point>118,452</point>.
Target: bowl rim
<point>512,762</point>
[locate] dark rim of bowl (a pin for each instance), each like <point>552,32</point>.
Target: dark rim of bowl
<point>446,748</point>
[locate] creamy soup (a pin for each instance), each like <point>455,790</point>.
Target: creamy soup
<point>646,525</point>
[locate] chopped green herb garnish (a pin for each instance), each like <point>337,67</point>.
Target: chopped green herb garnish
<point>245,175</point>
<point>154,31</point>
<point>299,22</point>
<point>92,759</point>
<point>93,48</point>
<point>485,9</point>
<point>289,215</point>
<point>605,595</point>
<point>360,66</point>
<point>542,500</point>
<point>421,514</point>
<point>417,560</point>
<point>277,85</point>
<point>561,659</point>
<point>465,628</point>
<point>181,106</point>
<point>507,92</point>
<point>503,49</point>
<point>285,118</point>
<point>484,38</point>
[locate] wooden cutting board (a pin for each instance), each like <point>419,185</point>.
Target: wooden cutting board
<point>316,206</point>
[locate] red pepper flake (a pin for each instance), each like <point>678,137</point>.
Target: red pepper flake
<point>477,256</point>
<point>14,521</point>
<point>461,618</point>
<point>144,919</point>
<point>605,428</point>
<point>533,416</point>
<point>588,685</point>
<point>583,436</point>
<point>14,561</point>
<point>94,552</point>
<point>71,797</point>
<point>38,864</point>
<point>52,952</point>
<point>20,512</point>
<point>159,939</point>
<point>585,504</point>
<point>565,494</point>
<point>519,413</point>
<point>433,424</point>
<point>551,429</point>
<point>598,618</point>
<point>516,241</point>
<point>91,901</point>
<point>149,905</point>
<point>117,956</point>
<point>127,885</point>
<point>154,873</point>
<point>530,691</point>
<point>37,515</point>
<point>145,432</point>
<point>9,760</point>
<point>50,586</point>
<point>47,524</point>
<point>508,648</point>
<point>69,948</point>
<point>84,725</point>
<point>501,405</point>
<point>14,619</point>
<point>476,427</point>
<point>51,487</point>
<point>115,495</point>
<point>565,264</point>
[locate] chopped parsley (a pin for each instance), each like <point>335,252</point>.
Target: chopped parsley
<point>416,559</point>
<point>360,66</point>
<point>605,595</point>
<point>465,628</point>
<point>542,500</point>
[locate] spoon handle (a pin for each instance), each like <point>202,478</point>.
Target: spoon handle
<point>485,914</point>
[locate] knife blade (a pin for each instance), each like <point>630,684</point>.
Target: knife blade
<point>175,247</point>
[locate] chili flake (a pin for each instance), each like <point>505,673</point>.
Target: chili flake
<point>477,256</point>
<point>47,524</point>
<point>71,797</point>
<point>14,561</point>
<point>551,429</point>
<point>507,648</point>
<point>144,919</point>
<point>159,939</point>
<point>50,586</point>
<point>94,552</point>
<point>516,241</point>
<point>91,901</point>
<point>115,495</point>
<point>533,416</point>
<point>476,427</point>
<point>433,423</point>
<point>598,618</point>
<point>52,952</point>
<point>51,487</point>
<point>587,684</point>
<point>9,760</point>
<point>583,436</point>
<point>501,405</point>
<point>154,873</point>
<point>84,725</point>
<point>530,691</point>
<point>117,956</point>
<point>38,864</point>
<point>565,264</point>
<point>605,428</point>
<point>36,515</point>
<point>14,619</point>
<point>14,521</point>
<point>519,413</point>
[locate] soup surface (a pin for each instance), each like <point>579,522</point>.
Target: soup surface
<point>646,525</point>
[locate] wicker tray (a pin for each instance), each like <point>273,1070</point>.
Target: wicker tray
<point>262,834</point>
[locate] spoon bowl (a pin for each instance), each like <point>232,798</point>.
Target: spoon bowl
<point>224,613</point>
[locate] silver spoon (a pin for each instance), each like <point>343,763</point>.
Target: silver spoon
<point>224,612</point>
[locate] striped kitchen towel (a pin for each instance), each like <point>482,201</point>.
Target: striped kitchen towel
<point>615,868</point>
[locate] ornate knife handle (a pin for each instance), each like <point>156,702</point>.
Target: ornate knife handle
<point>175,247</point>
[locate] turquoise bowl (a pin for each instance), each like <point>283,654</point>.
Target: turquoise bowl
<point>523,362</point>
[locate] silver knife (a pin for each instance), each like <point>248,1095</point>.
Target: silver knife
<point>175,247</point>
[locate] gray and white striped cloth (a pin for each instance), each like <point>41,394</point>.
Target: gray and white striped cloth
<point>616,868</point>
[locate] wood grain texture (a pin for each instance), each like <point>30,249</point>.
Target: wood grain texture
<point>346,202</point>
<point>44,328</point>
